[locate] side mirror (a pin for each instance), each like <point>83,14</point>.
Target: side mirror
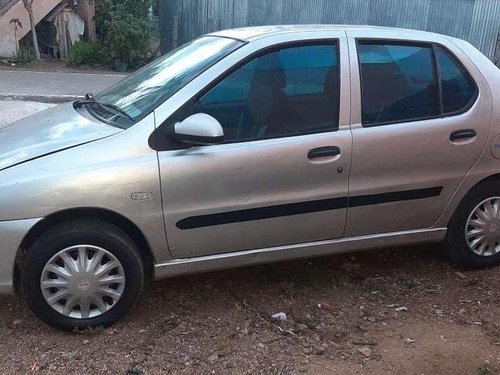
<point>199,129</point>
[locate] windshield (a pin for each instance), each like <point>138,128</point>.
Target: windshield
<point>137,95</point>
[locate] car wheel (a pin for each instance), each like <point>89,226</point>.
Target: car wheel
<point>473,237</point>
<point>82,274</point>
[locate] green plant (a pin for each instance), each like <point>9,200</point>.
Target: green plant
<point>483,370</point>
<point>24,55</point>
<point>105,8</point>
<point>87,53</point>
<point>128,36</point>
<point>125,29</point>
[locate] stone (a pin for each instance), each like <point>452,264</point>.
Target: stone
<point>365,351</point>
<point>213,358</point>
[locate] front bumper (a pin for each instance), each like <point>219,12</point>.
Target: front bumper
<point>12,234</point>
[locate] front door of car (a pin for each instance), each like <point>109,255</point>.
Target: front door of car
<point>281,175</point>
<point>420,123</point>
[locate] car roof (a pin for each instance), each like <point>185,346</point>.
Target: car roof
<point>250,33</point>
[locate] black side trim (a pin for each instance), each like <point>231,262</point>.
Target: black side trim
<point>261,213</point>
<point>301,208</point>
<point>406,195</point>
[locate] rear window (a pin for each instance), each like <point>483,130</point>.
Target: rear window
<point>403,82</point>
<point>399,83</point>
<point>459,90</point>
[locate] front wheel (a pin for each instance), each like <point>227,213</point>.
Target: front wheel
<point>473,237</point>
<point>82,274</point>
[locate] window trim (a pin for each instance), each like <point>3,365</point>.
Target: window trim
<point>437,69</point>
<point>165,127</point>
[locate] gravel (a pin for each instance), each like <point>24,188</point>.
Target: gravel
<point>221,322</point>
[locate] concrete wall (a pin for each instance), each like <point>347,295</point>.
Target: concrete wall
<point>7,38</point>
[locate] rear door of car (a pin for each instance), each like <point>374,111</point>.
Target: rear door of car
<point>281,176</point>
<point>421,114</point>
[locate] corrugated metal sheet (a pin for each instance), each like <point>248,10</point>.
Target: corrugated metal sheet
<point>477,21</point>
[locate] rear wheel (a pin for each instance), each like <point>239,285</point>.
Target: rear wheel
<point>474,232</point>
<point>82,274</point>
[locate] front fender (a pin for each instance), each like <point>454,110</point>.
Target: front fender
<point>12,234</point>
<point>118,174</point>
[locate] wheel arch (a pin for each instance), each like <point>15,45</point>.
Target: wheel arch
<point>493,177</point>
<point>457,246</point>
<point>490,178</point>
<point>85,213</point>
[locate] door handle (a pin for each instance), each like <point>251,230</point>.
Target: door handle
<point>462,134</point>
<point>321,152</point>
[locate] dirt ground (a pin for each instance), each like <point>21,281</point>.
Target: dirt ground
<point>402,311</point>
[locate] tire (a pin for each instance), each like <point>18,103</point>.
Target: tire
<point>458,246</point>
<point>104,246</point>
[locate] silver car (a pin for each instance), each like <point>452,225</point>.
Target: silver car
<point>250,146</point>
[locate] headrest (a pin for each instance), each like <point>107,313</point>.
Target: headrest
<point>270,72</point>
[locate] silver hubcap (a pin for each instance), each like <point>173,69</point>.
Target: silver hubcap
<point>482,231</point>
<point>82,281</point>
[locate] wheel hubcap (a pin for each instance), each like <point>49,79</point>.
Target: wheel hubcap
<point>482,230</point>
<point>82,281</point>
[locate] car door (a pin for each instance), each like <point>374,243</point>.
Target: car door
<point>420,121</point>
<point>281,175</point>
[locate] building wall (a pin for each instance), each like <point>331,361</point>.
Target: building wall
<point>41,8</point>
<point>477,21</point>
<point>7,37</point>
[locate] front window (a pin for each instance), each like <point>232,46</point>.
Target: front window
<point>289,91</point>
<point>140,93</point>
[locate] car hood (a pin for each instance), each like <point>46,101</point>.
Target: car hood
<point>47,132</point>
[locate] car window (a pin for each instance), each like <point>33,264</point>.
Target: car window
<point>458,87</point>
<point>398,82</point>
<point>290,91</point>
<point>235,88</point>
<point>306,68</point>
<point>141,92</point>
